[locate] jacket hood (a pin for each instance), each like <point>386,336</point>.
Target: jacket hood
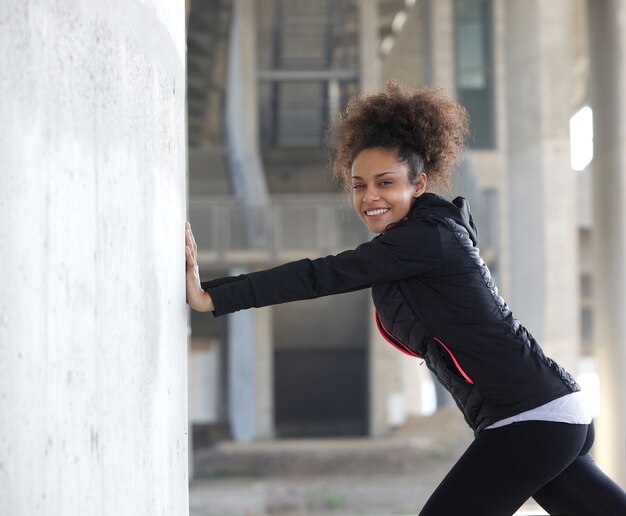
<point>430,205</point>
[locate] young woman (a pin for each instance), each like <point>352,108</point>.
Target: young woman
<point>435,298</point>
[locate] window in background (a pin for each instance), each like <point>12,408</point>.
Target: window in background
<point>474,68</point>
<point>581,138</point>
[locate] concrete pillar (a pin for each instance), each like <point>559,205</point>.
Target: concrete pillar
<point>405,61</point>
<point>93,384</point>
<point>246,167</point>
<point>438,41</point>
<point>542,186</point>
<point>369,44</point>
<point>204,365</point>
<point>250,374</point>
<point>491,166</point>
<point>400,386</point>
<point>418,386</point>
<point>608,79</point>
<point>384,379</point>
<point>382,367</point>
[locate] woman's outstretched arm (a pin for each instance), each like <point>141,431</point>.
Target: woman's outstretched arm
<point>197,298</point>
<point>401,252</point>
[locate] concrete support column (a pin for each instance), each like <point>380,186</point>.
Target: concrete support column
<point>250,374</point>
<point>397,385</point>
<point>542,202</point>
<point>93,384</point>
<point>418,386</point>
<point>369,43</point>
<point>385,383</point>
<point>607,20</point>
<point>382,366</point>
<point>246,167</point>
<point>438,40</point>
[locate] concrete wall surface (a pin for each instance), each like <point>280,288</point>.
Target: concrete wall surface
<point>93,384</point>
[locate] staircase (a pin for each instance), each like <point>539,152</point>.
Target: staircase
<point>208,28</point>
<point>308,68</point>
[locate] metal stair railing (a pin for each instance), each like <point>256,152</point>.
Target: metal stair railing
<point>292,227</point>
<point>310,74</point>
<point>207,50</point>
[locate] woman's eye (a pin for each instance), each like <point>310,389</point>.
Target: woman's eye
<point>357,187</point>
<point>385,183</point>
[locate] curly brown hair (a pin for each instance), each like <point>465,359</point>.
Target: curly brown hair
<point>425,128</point>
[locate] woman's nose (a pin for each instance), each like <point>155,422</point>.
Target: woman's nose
<point>371,195</point>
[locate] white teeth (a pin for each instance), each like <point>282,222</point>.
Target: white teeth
<point>379,211</point>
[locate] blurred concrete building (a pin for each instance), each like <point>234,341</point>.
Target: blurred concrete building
<point>265,77</point>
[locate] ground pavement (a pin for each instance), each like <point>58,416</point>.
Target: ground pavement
<point>383,476</point>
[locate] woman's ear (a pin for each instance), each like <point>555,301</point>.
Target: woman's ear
<point>420,185</point>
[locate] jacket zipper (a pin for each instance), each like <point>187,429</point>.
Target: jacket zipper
<point>456,363</point>
<point>391,339</point>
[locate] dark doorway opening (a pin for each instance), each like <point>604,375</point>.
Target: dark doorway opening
<point>320,393</point>
<point>321,367</point>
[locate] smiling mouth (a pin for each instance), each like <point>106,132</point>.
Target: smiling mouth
<point>378,211</point>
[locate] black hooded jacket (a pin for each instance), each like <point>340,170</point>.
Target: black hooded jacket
<point>434,299</point>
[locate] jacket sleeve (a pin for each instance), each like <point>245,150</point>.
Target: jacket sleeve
<point>403,251</point>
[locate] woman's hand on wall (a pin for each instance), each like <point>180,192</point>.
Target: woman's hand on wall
<point>197,298</point>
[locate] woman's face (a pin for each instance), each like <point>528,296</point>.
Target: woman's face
<point>381,191</point>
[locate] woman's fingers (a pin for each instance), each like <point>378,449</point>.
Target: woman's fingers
<point>187,238</point>
<point>193,241</point>
<point>189,256</point>
<point>188,243</point>
<point>190,240</point>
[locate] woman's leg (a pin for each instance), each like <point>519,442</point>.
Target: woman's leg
<point>582,489</point>
<point>503,467</point>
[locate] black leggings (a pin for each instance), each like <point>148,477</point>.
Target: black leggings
<point>505,466</point>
